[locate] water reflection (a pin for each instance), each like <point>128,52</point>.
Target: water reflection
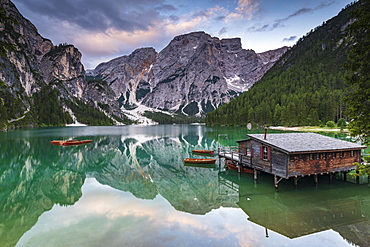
<point>148,163</point>
<point>35,175</point>
<point>340,206</point>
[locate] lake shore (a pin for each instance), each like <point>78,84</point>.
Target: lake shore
<point>308,129</point>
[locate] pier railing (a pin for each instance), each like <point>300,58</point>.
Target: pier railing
<point>232,153</point>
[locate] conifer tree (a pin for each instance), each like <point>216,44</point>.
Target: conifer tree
<point>358,96</point>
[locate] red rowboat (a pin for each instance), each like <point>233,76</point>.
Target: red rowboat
<point>70,142</point>
<point>201,165</point>
<point>203,151</point>
<point>242,169</point>
<point>200,161</point>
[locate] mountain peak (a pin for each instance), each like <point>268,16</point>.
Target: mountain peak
<point>194,74</point>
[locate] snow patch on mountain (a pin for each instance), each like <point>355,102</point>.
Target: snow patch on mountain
<point>234,83</point>
<point>137,114</point>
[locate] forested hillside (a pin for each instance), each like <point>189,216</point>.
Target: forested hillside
<point>305,87</point>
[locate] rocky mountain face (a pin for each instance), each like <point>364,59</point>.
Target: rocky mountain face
<point>193,75</point>
<point>29,62</point>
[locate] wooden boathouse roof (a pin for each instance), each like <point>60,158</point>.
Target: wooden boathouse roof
<point>304,142</point>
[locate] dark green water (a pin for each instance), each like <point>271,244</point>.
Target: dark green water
<point>130,187</point>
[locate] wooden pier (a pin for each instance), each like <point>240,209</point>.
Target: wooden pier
<point>241,160</point>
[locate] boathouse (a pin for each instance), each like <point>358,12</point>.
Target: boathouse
<point>294,155</point>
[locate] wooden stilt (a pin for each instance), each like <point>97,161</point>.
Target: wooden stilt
<point>331,175</point>
<point>295,182</point>
<point>276,182</point>
<point>345,176</point>
<point>316,180</point>
<point>255,174</point>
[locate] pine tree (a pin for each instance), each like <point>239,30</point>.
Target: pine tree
<point>358,96</point>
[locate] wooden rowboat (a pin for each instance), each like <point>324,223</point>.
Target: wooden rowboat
<point>242,169</point>
<point>70,142</point>
<point>200,161</point>
<point>198,151</point>
<point>201,165</point>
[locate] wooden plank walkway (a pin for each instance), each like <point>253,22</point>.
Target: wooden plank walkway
<point>240,159</point>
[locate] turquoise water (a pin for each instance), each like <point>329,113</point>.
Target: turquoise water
<point>130,187</point>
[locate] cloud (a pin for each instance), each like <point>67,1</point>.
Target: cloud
<point>291,38</point>
<point>247,8</point>
<point>304,11</point>
<point>279,23</point>
<point>222,31</point>
<point>97,15</point>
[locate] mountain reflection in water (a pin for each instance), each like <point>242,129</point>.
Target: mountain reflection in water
<point>147,162</point>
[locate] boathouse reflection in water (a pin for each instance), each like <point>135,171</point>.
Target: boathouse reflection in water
<point>295,213</point>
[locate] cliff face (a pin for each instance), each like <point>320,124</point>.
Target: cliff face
<point>64,65</point>
<point>21,52</point>
<point>127,75</point>
<point>29,62</point>
<point>193,75</point>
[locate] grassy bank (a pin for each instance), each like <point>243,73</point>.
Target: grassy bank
<point>309,129</point>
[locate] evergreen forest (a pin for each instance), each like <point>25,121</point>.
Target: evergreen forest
<point>305,87</point>
<point>46,109</point>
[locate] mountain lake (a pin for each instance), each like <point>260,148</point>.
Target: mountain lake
<point>130,187</point>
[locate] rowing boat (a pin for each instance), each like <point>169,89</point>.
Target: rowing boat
<point>200,161</point>
<point>201,165</point>
<point>70,142</point>
<point>198,151</point>
<point>233,166</point>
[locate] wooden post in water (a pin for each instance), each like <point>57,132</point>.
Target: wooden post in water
<point>316,180</point>
<point>255,172</point>
<point>276,182</point>
<point>295,182</point>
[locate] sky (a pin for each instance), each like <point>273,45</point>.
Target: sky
<point>106,29</point>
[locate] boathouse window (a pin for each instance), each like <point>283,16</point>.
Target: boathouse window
<point>265,153</point>
<point>334,154</point>
<point>291,157</point>
<point>312,157</point>
<point>352,153</point>
<point>324,155</point>
<point>341,154</point>
<point>317,156</point>
<point>301,157</point>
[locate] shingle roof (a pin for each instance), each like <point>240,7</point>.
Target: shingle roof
<point>304,142</point>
